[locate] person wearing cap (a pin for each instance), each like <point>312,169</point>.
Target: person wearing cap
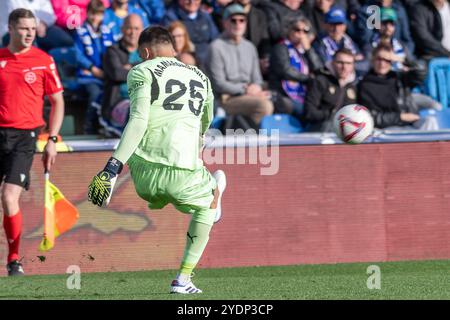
<point>336,38</point>
<point>200,25</point>
<point>363,34</point>
<point>386,35</point>
<point>402,59</point>
<point>233,67</point>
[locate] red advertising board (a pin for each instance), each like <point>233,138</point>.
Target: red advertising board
<point>326,204</point>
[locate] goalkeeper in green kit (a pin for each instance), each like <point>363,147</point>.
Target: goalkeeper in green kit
<point>171,107</point>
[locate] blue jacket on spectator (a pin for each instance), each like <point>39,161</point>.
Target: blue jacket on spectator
<point>202,29</point>
<point>90,47</point>
<point>115,23</point>
<point>402,31</point>
<point>154,9</point>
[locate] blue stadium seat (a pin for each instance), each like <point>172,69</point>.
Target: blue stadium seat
<point>65,55</point>
<point>437,83</point>
<point>217,122</point>
<point>283,122</point>
<point>442,117</point>
<point>65,59</point>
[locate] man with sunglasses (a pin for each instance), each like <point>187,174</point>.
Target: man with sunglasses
<point>292,63</point>
<point>387,94</point>
<point>233,67</point>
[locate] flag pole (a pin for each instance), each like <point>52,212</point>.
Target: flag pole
<point>46,186</point>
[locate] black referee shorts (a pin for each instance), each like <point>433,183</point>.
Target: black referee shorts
<point>17,148</point>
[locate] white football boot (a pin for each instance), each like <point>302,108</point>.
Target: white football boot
<point>188,288</point>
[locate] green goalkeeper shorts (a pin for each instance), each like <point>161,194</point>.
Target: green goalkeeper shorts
<point>190,191</point>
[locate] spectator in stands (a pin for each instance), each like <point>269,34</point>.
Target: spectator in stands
<point>71,14</point>
<point>349,6</point>
<point>278,11</point>
<point>217,7</point>
<point>49,35</point>
<point>317,9</point>
<point>117,61</point>
<point>363,34</point>
<point>316,13</point>
<point>115,15</point>
<point>430,26</point>
<point>154,9</point>
<point>293,61</point>
<point>409,4</point>
<point>258,32</point>
<point>91,41</point>
<point>386,35</point>
<point>199,24</point>
<point>336,38</point>
<point>333,87</point>
<point>183,45</point>
<point>387,93</point>
<point>234,69</point>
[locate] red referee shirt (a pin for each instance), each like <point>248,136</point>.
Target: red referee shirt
<point>24,81</point>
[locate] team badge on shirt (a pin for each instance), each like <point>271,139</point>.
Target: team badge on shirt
<point>351,93</point>
<point>30,77</point>
<point>332,90</point>
<point>3,64</point>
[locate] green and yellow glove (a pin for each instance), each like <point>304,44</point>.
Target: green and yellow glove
<point>102,185</point>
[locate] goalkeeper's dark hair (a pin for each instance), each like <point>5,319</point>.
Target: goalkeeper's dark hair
<point>154,36</point>
<point>20,13</point>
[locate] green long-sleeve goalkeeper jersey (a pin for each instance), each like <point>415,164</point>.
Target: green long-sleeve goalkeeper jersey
<point>171,104</point>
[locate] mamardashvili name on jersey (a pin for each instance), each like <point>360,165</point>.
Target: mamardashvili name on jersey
<point>180,106</point>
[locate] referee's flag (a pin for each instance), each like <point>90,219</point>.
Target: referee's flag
<point>59,215</point>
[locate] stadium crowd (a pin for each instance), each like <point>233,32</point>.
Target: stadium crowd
<point>306,58</point>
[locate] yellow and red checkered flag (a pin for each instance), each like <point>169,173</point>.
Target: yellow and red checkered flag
<point>59,215</point>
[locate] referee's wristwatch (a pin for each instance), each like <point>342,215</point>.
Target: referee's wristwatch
<point>53,138</point>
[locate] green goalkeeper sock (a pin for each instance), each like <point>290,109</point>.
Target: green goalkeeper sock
<point>196,239</point>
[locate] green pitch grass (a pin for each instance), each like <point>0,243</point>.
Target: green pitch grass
<point>399,280</point>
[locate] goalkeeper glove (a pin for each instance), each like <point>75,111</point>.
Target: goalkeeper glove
<point>102,185</point>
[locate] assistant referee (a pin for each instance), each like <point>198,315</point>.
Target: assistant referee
<point>27,75</point>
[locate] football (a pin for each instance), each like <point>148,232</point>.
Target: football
<point>353,123</point>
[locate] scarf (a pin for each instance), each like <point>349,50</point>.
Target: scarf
<point>88,38</point>
<point>331,46</point>
<point>294,89</point>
